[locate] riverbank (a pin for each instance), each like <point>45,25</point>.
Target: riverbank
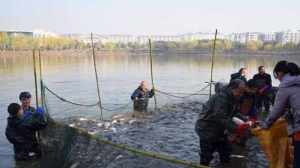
<point>245,52</point>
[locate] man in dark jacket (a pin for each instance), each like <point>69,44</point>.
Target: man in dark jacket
<point>239,75</point>
<point>265,85</point>
<point>141,97</point>
<point>21,132</point>
<point>216,119</point>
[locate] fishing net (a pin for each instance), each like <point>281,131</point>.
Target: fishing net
<point>276,145</point>
<point>65,146</point>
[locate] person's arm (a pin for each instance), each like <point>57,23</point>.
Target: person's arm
<point>255,77</point>
<point>40,117</point>
<point>135,94</point>
<point>223,108</point>
<point>13,137</point>
<point>37,120</point>
<point>281,101</point>
<point>269,80</point>
<point>151,93</point>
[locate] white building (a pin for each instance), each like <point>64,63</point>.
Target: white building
<point>289,37</point>
<point>42,33</point>
<point>239,37</point>
<point>268,37</point>
<point>252,36</point>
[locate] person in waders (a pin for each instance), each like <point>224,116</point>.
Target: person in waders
<point>216,120</point>
<point>141,96</point>
<point>288,96</point>
<point>21,132</point>
<point>265,85</point>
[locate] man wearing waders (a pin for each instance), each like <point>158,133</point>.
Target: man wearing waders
<point>265,85</point>
<point>216,121</point>
<point>141,97</point>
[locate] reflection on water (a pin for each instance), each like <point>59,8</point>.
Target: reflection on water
<point>71,74</point>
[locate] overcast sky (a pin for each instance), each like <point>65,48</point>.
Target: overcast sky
<point>149,16</point>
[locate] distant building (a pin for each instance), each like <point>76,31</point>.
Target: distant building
<point>289,37</point>
<point>17,33</point>
<point>252,36</point>
<point>269,37</point>
<point>239,37</point>
<point>282,37</point>
<point>42,33</point>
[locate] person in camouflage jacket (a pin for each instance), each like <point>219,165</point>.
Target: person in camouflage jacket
<point>216,119</point>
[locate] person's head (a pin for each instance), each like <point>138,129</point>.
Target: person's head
<point>261,70</point>
<point>14,110</point>
<point>251,86</point>
<point>144,85</point>
<point>294,69</point>
<point>238,87</point>
<point>25,98</point>
<point>243,71</point>
<point>283,67</point>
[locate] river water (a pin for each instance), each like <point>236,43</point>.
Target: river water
<point>71,75</point>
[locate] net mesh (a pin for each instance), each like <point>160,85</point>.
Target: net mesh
<point>66,146</point>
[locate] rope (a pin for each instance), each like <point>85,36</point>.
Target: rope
<point>118,108</point>
<point>136,151</point>
<point>86,105</point>
<point>187,95</point>
<point>181,97</point>
<point>68,101</point>
<point>182,93</point>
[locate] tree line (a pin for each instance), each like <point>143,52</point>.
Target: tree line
<point>61,43</point>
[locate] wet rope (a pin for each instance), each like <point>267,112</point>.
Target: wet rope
<point>118,108</point>
<point>176,95</point>
<point>87,105</point>
<point>68,101</point>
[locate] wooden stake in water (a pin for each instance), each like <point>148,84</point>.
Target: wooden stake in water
<point>151,71</point>
<point>41,77</point>
<point>35,78</point>
<point>97,78</point>
<point>212,63</point>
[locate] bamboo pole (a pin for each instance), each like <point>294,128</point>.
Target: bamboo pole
<point>35,78</point>
<point>212,63</point>
<point>97,78</point>
<point>41,78</point>
<point>151,71</point>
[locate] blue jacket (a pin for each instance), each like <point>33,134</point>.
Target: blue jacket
<point>21,131</point>
<point>140,94</point>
